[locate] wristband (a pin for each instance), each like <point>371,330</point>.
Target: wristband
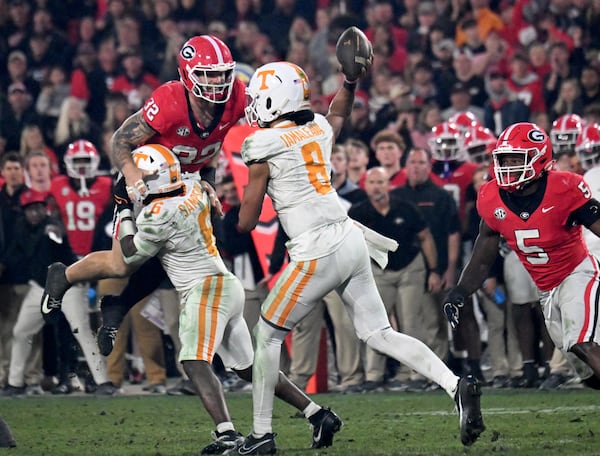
<point>350,86</point>
<point>126,224</point>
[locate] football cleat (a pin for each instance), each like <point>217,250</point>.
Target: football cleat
<point>6,437</point>
<point>56,286</point>
<point>467,399</point>
<point>227,440</point>
<point>182,388</point>
<point>255,445</point>
<point>325,424</point>
<point>112,316</point>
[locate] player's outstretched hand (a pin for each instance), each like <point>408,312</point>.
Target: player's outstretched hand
<point>134,182</point>
<point>215,203</point>
<point>355,53</point>
<point>452,304</point>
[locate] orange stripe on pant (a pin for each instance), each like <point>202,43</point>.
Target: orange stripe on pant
<point>213,317</point>
<point>297,292</point>
<point>286,286</point>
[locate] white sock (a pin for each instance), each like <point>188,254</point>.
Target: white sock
<point>265,375</point>
<point>311,409</point>
<point>225,426</point>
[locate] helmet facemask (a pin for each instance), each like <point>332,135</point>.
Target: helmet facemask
<point>513,177</point>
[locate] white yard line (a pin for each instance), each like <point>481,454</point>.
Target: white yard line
<point>510,411</point>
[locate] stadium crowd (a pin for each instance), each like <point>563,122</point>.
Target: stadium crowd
<point>447,78</point>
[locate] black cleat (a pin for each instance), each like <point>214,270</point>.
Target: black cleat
<point>112,316</point>
<point>6,438</point>
<point>325,424</point>
<point>12,391</point>
<point>467,401</point>
<point>228,440</point>
<point>56,286</point>
<point>255,445</point>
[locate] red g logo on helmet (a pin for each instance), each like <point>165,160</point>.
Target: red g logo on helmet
<point>522,154</point>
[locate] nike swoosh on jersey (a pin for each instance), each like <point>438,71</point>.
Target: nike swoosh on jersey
<point>225,125</point>
<point>547,209</point>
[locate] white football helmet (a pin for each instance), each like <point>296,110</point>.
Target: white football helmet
<point>164,166</point>
<point>275,89</point>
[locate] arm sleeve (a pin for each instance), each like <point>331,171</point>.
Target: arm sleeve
<point>585,215</point>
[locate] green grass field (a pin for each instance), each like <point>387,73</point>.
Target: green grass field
<point>565,423</point>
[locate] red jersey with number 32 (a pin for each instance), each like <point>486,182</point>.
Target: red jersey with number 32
<point>168,113</point>
<point>549,247</point>
<point>81,213</point>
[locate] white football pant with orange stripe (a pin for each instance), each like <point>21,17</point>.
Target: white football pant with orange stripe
<point>212,321</point>
<point>572,310</point>
<point>304,283</point>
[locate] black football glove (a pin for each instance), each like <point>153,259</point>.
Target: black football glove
<point>122,200</point>
<point>453,302</point>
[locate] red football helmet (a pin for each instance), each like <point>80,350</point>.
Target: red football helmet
<point>479,143</point>
<point>206,68</point>
<point>588,146</point>
<point>82,159</point>
<point>465,121</point>
<point>523,152</point>
<point>447,142</point>
<point>564,133</point>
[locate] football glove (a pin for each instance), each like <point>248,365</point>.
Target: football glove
<point>121,196</point>
<point>452,304</point>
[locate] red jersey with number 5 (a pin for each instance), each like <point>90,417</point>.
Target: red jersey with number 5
<point>547,244</point>
<point>169,113</point>
<point>81,213</point>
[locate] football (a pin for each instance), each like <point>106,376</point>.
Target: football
<point>354,52</point>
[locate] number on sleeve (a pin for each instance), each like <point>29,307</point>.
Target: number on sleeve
<point>315,165</point>
<point>587,194</point>
<point>151,109</point>
<point>536,254</point>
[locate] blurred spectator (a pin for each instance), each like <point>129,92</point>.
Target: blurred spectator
<point>32,139</point>
<point>87,82</point>
<point>384,42</point>
<point>424,89</point>
<point>87,32</point>
<point>243,11</point>
<point>358,159</point>
<point>108,61</point>
<point>172,41</point>
<point>538,57</point>
<point>276,24</point>
<point>525,83</point>
<point>503,107</point>
<point>486,19</point>
<point>383,14</point>
<point>429,116</point>
<point>16,114</point>
<point>389,149</point>
<point>117,110</point>
<point>56,87</point>
<point>464,72</point>
<point>73,123</point>
<point>568,101</point>
<point>242,47</point>
<point>418,38</point>
<point>17,71</point>
<point>347,190</point>
<point>189,15</point>
<point>562,67</point>
<point>359,125</point>
<point>460,101</point>
<point>135,83</point>
<point>590,85</point>
<point>58,48</point>
<point>19,25</point>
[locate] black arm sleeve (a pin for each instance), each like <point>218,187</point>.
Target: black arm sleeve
<point>585,215</point>
<point>209,174</point>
